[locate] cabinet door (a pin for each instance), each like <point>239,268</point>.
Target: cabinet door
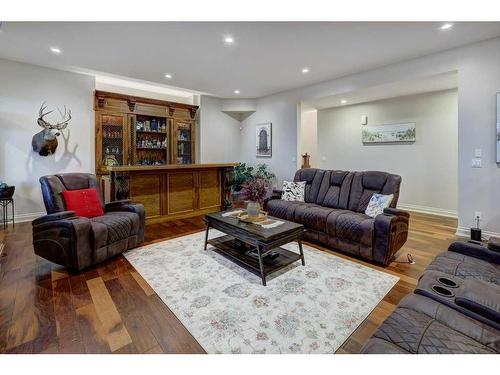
<point>209,189</point>
<point>111,142</point>
<point>183,142</point>
<point>182,192</point>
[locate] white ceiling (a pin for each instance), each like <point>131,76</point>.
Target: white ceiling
<point>266,57</point>
<point>438,82</point>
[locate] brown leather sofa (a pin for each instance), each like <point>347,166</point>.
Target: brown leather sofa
<point>333,212</point>
<point>463,320</point>
<point>79,242</point>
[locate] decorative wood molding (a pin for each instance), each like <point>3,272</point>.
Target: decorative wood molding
<point>171,111</point>
<point>138,99</point>
<point>131,104</point>
<point>192,112</point>
<point>100,101</point>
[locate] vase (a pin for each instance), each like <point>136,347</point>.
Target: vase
<point>253,209</point>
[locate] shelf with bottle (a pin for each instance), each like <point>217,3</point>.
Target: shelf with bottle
<point>148,124</point>
<point>112,150</point>
<point>151,160</point>
<point>148,142</point>
<point>107,133</point>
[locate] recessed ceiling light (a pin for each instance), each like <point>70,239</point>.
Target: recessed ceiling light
<point>446,26</point>
<point>305,70</point>
<point>236,92</point>
<point>168,76</point>
<point>343,101</point>
<point>228,39</point>
<point>55,50</point>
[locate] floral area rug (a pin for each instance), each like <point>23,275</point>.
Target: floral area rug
<point>303,309</point>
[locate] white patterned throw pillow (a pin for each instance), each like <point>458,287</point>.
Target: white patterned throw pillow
<point>293,191</point>
<point>377,204</point>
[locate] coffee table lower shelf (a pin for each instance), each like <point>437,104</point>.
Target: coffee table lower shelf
<point>225,246</point>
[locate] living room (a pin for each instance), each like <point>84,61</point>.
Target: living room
<point>259,186</point>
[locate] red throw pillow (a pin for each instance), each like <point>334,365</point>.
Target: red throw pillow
<point>85,202</point>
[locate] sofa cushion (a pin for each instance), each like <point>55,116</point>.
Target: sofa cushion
<point>284,209</point>
<point>85,202</point>
<point>350,226</point>
<point>293,191</point>
<point>313,178</point>
<point>334,190</point>
<point>365,184</point>
<point>466,267</point>
<point>115,226</point>
<point>312,216</point>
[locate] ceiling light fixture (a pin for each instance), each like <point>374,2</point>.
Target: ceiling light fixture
<point>168,76</point>
<point>343,101</point>
<point>446,26</point>
<point>305,70</point>
<point>236,92</point>
<point>228,39</point>
<point>56,50</point>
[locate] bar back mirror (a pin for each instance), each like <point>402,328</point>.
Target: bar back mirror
<point>498,127</point>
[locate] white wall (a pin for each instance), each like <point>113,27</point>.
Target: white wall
<point>308,136</point>
<point>23,88</point>
<point>219,139</point>
<point>428,166</point>
<point>478,67</point>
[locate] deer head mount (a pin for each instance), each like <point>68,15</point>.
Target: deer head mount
<point>45,141</point>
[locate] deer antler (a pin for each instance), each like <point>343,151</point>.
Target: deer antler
<point>47,125</point>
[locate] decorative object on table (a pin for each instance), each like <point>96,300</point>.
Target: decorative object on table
<point>263,140</point>
<point>45,142</point>
<point>254,191</point>
<point>377,204</point>
<point>498,127</point>
<point>261,216</point>
<point>390,133</point>
<point>6,193</point>
<point>293,191</point>
<point>305,160</point>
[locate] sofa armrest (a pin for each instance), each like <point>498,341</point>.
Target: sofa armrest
<point>65,241</point>
<point>116,204</point>
<point>127,206</point>
<point>475,250</point>
<point>276,194</point>
<point>53,217</point>
<point>390,234</point>
<point>397,212</point>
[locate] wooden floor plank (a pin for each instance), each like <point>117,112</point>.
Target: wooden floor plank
<point>116,333</point>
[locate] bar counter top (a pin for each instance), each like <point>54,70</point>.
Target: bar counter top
<point>132,168</point>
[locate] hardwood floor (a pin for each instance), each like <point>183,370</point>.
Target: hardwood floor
<point>111,309</point>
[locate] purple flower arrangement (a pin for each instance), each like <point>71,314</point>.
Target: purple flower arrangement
<point>255,189</point>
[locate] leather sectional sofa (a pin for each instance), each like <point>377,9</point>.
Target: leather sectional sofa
<point>455,307</point>
<point>79,242</point>
<point>333,212</point>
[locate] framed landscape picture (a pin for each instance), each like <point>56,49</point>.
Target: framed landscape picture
<point>391,133</point>
<point>263,140</point>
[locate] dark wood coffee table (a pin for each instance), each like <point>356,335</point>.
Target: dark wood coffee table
<point>263,240</point>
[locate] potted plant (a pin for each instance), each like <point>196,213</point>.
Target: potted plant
<point>241,173</point>
<point>254,191</point>
<point>6,191</point>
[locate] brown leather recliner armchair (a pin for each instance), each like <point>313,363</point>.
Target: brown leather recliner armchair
<point>79,242</point>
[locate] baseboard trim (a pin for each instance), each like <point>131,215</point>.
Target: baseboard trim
<point>20,218</point>
<point>429,210</point>
<point>465,232</point>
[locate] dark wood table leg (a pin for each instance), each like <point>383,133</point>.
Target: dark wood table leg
<point>301,251</point>
<point>13,224</point>
<point>261,265</point>
<point>206,235</point>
